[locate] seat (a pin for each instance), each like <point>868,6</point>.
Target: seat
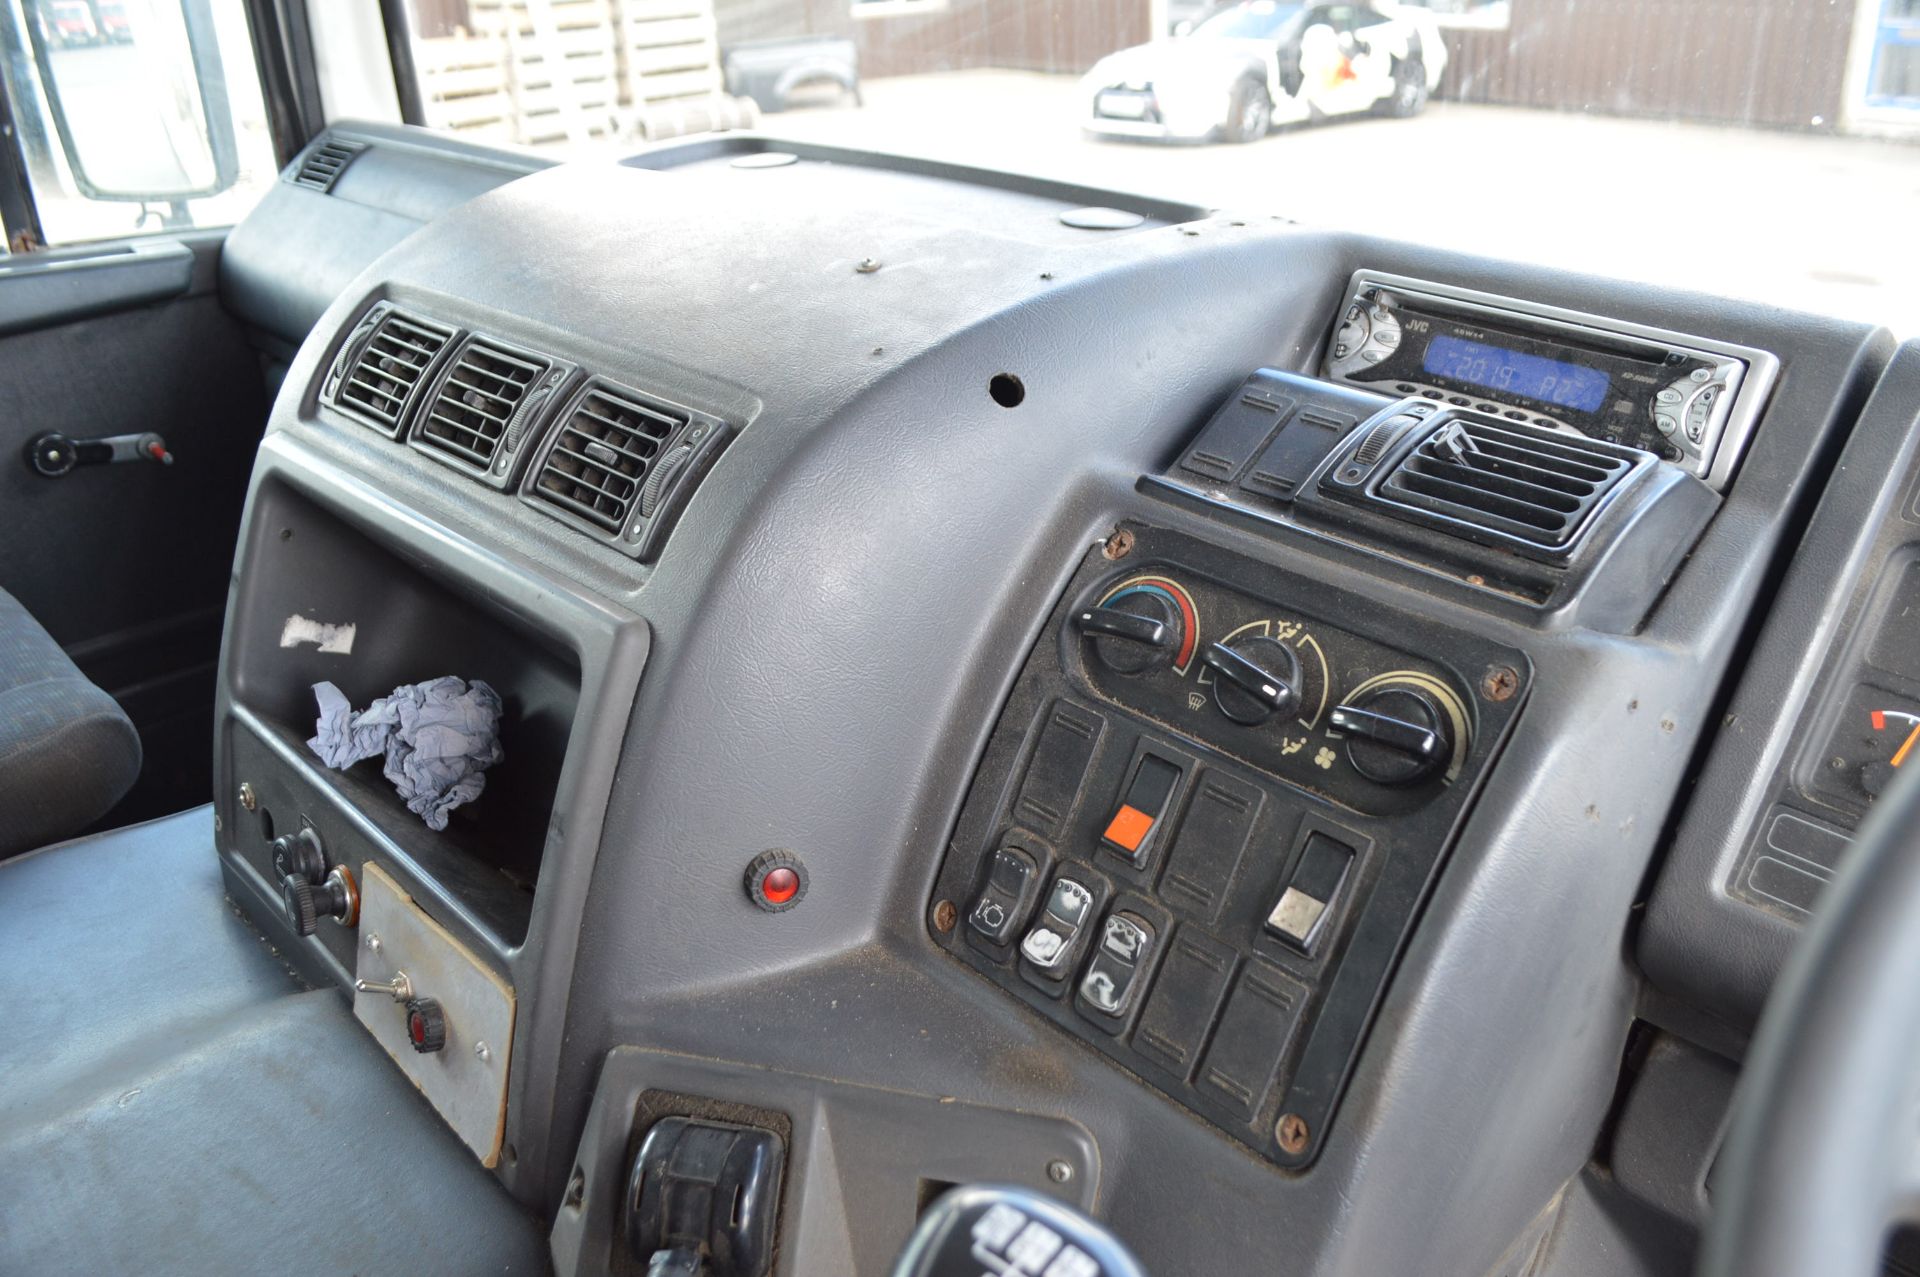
<point>173,1100</point>
<point>67,750</point>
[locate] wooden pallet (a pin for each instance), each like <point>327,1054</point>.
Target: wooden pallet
<point>549,71</point>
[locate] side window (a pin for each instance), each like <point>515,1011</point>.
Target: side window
<point>134,116</point>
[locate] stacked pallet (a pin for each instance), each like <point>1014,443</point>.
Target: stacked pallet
<point>668,50</point>
<point>463,86</point>
<point>570,72</point>
<point>561,70</point>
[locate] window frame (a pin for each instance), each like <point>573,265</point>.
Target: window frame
<point>289,89</point>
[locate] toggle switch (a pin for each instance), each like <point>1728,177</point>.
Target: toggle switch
<point>1143,804</point>
<point>1302,909</point>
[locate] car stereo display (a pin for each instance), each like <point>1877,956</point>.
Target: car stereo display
<point>1688,400</point>
<point>1516,372</point>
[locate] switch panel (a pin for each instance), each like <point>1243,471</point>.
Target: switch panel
<point>1205,819</point>
<point>444,1016</point>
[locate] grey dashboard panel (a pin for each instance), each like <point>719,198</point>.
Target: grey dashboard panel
<point>287,261</point>
<point>840,613</point>
<point>1736,886</point>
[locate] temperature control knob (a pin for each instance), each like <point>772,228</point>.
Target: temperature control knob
<point>1396,735</point>
<point>1254,678</point>
<point>1133,633</point>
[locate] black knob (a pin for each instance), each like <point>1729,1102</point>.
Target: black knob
<point>1396,735</point>
<point>1254,678</point>
<point>300,855</point>
<point>52,454</point>
<point>426,1025</point>
<point>308,902</point>
<point>1141,631</point>
<point>1875,777</point>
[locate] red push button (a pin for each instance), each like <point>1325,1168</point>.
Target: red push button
<point>780,886</point>
<point>776,881</point>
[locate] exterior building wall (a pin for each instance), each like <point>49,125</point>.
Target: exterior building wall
<point>909,39</point>
<point>1767,63</point>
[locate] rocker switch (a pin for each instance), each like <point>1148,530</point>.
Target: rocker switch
<point>1143,807</point>
<point>1113,977</point>
<point>1004,902</point>
<point>1050,945</point>
<point>1302,909</point>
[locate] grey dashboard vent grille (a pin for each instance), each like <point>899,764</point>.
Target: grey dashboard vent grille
<point>382,377</point>
<point>323,164</point>
<point>599,459</point>
<point>476,401</point>
<point>1517,482</point>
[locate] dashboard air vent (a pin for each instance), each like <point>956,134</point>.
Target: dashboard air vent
<point>383,375</point>
<point>1517,482</point>
<point>477,400</point>
<point>324,163</point>
<point>600,457</point>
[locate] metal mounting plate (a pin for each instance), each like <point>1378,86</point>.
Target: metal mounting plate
<point>467,1086</point>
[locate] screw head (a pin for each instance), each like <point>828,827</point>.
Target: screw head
<point>1291,1132</point>
<point>373,943</point>
<point>480,1049</point>
<point>1060,1171</point>
<point>1500,684</point>
<point>945,915</point>
<point>867,266</point>
<point>1119,545</point>
<point>248,799</point>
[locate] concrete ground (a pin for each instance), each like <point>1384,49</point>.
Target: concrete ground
<point>1809,222</point>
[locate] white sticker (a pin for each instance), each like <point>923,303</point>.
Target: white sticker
<point>337,639</point>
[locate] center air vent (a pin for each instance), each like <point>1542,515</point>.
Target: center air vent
<point>619,465</point>
<point>384,369</point>
<point>1504,483</point>
<point>482,406</point>
<point>323,164</point>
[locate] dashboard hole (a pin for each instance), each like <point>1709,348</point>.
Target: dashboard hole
<point>930,1192</point>
<point>1007,390</point>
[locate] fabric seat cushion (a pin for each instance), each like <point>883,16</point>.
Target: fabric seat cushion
<point>67,750</point>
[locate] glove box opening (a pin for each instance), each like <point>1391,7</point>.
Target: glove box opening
<point>306,575</point>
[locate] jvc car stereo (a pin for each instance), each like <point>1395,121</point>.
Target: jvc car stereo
<point>1688,399</point>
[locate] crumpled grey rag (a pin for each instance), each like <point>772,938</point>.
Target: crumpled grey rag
<point>438,737</point>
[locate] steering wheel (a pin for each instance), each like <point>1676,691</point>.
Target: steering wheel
<point>1821,1160</point>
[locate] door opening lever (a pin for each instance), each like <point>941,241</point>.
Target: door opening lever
<point>53,454</point>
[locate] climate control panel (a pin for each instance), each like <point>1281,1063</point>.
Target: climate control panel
<point>1207,819</point>
<point>1370,724</point>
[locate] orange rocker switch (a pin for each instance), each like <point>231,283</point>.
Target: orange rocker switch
<point>1143,804</point>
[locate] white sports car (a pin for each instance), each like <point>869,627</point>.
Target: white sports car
<point>1252,64</point>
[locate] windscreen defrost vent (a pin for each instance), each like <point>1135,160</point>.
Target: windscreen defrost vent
<point>482,402</point>
<point>323,164</point>
<point>1521,483</point>
<point>386,369</point>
